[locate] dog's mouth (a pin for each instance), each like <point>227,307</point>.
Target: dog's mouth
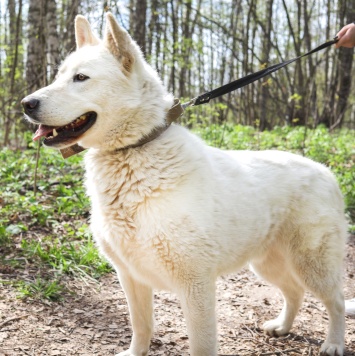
<point>68,133</point>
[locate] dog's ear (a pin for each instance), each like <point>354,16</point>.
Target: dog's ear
<point>83,33</point>
<point>120,43</point>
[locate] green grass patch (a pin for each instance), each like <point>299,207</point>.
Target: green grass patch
<point>68,256</point>
<point>47,230</point>
<point>40,289</point>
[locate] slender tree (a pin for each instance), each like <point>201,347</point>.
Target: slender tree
<point>36,65</point>
<point>70,10</point>
<point>13,63</point>
<point>347,13</point>
<point>138,18</point>
<point>266,47</point>
<point>52,40</point>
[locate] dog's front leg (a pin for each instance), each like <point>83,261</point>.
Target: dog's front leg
<point>198,304</point>
<point>140,303</point>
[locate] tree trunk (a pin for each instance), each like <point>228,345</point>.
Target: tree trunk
<point>346,56</point>
<point>71,10</point>
<point>52,39</point>
<point>138,16</point>
<point>153,27</point>
<point>13,56</point>
<point>187,45</point>
<point>36,59</point>
<point>174,20</point>
<point>265,95</point>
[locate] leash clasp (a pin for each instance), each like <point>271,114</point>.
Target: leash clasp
<point>189,103</point>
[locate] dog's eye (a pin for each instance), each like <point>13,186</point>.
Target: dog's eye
<point>80,77</point>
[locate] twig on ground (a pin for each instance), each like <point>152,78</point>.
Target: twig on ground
<point>13,319</point>
<point>36,169</point>
<point>23,350</point>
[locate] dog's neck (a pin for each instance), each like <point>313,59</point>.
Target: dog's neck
<point>172,115</point>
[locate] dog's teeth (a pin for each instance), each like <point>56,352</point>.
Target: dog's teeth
<point>55,133</point>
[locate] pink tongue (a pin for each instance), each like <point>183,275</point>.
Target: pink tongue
<point>42,130</point>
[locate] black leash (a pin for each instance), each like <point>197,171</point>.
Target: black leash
<point>239,83</point>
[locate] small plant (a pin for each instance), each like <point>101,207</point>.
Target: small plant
<point>77,257</point>
<point>4,236</point>
<point>41,289</point>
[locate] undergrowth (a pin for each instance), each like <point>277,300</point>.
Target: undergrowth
<point>45,236</point>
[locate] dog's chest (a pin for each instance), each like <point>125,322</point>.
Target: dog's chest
<point>144,252</point>
<point>123,222</point>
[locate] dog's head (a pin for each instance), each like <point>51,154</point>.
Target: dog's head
<point>105,95</point>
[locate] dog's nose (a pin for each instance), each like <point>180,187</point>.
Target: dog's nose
<point>30,105</point>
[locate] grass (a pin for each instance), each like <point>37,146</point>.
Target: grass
<point>41,289</point>
<point>69,257</point>
<point>48,231</point>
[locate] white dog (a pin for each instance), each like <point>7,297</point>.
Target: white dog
<point>171,213</point>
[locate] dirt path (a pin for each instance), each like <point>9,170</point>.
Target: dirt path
<point>94,320</point>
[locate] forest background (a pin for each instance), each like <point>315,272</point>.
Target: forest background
<point>196,46</point>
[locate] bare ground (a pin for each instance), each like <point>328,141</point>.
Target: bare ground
<point>94,320</point>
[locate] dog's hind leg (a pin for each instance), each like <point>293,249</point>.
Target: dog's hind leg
<point>321,273</point>
<point>140,303</point>
<point>329,291</point>
<point>273,268</point>
<point>334,302</point>
<point>198,304</point>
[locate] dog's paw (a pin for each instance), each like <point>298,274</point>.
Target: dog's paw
<point>125,353</point>
<point>329,349</point>
<point>275,328</point>
<point>130,353</point>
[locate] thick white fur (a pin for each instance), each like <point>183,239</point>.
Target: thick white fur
<point>175,214</point>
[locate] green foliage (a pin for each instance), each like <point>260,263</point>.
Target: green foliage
<point>78,257</point>
<point>41,289</point>
<point>48,229</point>
<point>60,192</point>
<point>201,115</point>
